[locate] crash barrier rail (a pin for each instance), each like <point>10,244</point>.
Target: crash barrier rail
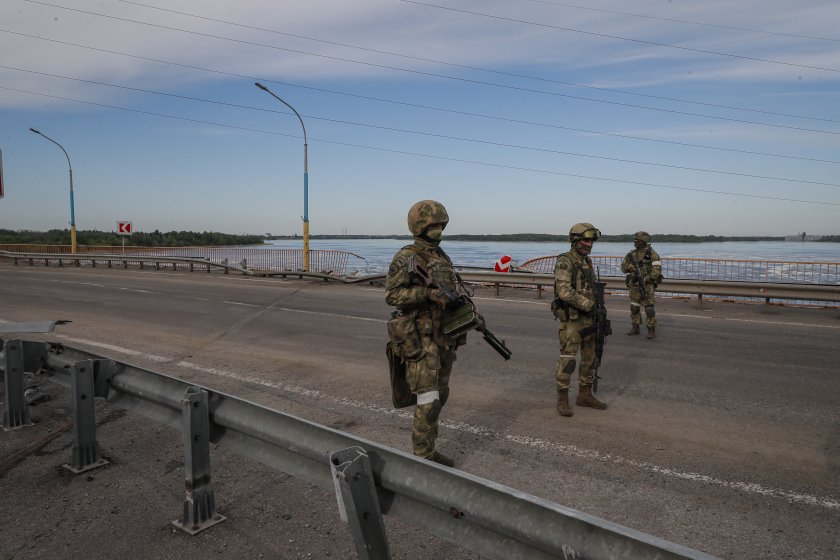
<point>254,259</point>
<point>369,479</point>
<point>769,292</point>
<point>333,259</point>
<point>729,270</point>
<point>764,290</point>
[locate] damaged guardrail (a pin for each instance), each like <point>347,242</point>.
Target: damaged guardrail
<point>727,288</point>
<point>369,479</point>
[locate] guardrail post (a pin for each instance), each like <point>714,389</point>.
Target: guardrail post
<point>17,412</point>
<point>200,504</point>
<point>358,503</point>
<point>85,454</point>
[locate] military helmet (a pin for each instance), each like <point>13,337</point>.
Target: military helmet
<point>425,213</point>
<point>584,230</point>
<point>642,236</point>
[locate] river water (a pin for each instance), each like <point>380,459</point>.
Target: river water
<point>376,254</point>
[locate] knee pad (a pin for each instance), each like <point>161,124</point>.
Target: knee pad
<point>444,396</point>
<point>650,311</point>
<point>635,309</point>
<point>569,366</point>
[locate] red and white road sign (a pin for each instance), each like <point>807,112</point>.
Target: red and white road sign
<point>123,228</point>
<point>503,264</point>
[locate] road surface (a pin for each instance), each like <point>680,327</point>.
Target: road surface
<point>723,434</point>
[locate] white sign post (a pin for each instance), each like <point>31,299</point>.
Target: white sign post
<point>123,229</point>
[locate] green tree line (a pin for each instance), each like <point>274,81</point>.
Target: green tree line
<point>138,239</point>
<point>544,237</point>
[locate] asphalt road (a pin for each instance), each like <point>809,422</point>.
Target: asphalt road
<point>723,434</point>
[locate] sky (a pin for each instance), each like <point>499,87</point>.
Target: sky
<point>520,116</point>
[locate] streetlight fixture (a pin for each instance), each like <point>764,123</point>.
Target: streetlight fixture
<point>305,180</point>
<point>72,207</point>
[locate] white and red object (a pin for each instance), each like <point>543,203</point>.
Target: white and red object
<point>503,264</point>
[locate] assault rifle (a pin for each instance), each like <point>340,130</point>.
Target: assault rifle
<point>462,313</point>
<point>600,326</point>
<point>637,275</point>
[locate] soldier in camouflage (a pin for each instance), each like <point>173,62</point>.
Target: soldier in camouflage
<point>573,292</point>
<point>429,359</point>
<point>651,270</point>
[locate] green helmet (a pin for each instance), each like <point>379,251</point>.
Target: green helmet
<point>425,213</point>
<point>642,236</point>
<point>584,231</point>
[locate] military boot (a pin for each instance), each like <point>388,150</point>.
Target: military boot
<point>442,459</point>
<point>634,330</point>
<point>651,332</point>
<point>563,408</point>
<point>587,398</point>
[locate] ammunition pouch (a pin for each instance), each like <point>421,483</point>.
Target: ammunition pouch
<point>401,395</point>
<point>586,331</point>
<point>460,320</point>
<point>560,309</point>
<point>403,335</point>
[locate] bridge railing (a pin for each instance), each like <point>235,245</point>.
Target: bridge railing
<point>796,293</point>
<point>728,270</point>
<point>369,479</point>
<point>255,259</point>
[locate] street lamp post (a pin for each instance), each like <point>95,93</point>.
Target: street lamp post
<point>305,180</point>
<point>72,207</point>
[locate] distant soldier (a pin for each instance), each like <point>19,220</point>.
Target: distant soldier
<point>644,274</point>
<point>415,329</point>
<point>574,305</point>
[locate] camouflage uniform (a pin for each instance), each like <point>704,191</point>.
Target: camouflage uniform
<point>428,371</point>
<point>574,300</point>
<point>651,270</point>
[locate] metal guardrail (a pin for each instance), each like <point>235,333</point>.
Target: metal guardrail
<point>732,270</point>
<point>259,259</point>
<point>369,479</point>
<point>764,290</point>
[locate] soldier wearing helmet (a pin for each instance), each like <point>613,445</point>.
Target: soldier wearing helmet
<point>650,267</point>
<point>417,342</point>
<point>574,280</point>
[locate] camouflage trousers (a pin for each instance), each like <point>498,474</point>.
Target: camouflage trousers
<point>636,305</point>
<point>570,343</point>
<point>428,378</point>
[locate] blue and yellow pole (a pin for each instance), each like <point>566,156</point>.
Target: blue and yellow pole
<point>305,179</point>
<point>72,205</point>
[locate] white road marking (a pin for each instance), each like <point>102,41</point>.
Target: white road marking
<point>679,315</point>
<point>825,502</point>
<point>372,319</point>
<point>239,303</point>
<point>128,351</point>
